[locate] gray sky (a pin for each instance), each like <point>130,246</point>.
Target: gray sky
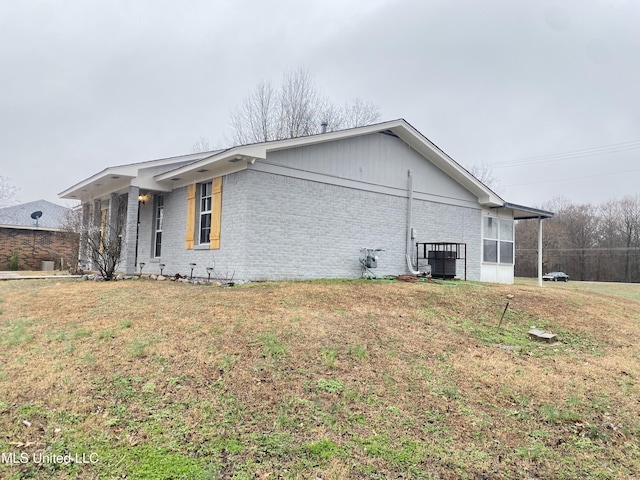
<point>87,84</point>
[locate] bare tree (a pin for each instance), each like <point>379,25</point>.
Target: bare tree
<point>359,113</point>
<point>580,227</point>
<point>104,243</point>
<point>484,173</point>
<point>299,103</point>
<point>72,229</point>
<point>258,119</point>
<point>590,243</point>
<point>554,243</point>
<point>7,192</point>
<point>294,109</point>
<point>201,145</point>
<point>628,228</point>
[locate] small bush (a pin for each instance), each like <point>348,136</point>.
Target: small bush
<point>14,261</point>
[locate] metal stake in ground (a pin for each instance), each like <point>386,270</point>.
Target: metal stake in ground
<point>505,311</point>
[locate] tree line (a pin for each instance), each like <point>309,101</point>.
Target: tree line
<point>588,242</point>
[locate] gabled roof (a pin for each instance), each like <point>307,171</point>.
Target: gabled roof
<point>166,174</point>
<point>54,217</point>
<point>399,128</point>
<point>112,179</point>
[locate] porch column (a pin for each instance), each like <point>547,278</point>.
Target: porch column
<point>97,214</point>
<point>111,227</point>
<point>131,231</point>
<point>96,224</point>
<point>84,256</point>
<point>540,251</point>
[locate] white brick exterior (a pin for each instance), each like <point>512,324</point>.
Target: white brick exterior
<point>303,208</point>
<point>277,227</point>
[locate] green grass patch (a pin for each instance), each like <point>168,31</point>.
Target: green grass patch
<point>146,462</point>
<point>358,351</point>
<point>330,386</point>
<point>323,449</point>
<point>138,346</point>
<point>271,346</point>
<point>17,333</point>
<point>106,334</point>
<point>329,356</point>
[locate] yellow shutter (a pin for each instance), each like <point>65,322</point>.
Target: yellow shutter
<point>103,229</point>
<point>216,213</point>
<point>191,216</point>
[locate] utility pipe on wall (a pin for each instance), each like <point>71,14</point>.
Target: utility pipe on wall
<point>409,210</point>
<point>409,247</point>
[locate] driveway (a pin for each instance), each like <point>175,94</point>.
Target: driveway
<point>6,275</point>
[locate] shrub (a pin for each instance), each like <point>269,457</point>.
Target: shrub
<point>14,261</point>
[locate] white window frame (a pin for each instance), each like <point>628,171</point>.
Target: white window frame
<point>158,221</point>
<point>205,204</point>
<point>497,240</point>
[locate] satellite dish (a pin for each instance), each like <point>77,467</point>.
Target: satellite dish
<point>36,215</point>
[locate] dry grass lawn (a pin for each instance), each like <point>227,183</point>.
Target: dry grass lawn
<point>325,379</point>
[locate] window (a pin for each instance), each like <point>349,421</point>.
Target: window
<point>204,214</point>
<point>506,241</point>
<point>204,226</point>
<point>159,217</point>
<point>497,244</point>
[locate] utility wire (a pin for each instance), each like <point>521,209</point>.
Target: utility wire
<point>571,155</point>
<point>572,178</point>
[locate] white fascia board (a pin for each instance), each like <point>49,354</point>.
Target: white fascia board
<point>258,151</point>
<point>129,171</point>
<point>194,176</point>
<point>148,183</point>
<point>109,176</point>
<point>332,136</point>
<point>406,132</point>
<point>444,162</point>
<point>215,164</point>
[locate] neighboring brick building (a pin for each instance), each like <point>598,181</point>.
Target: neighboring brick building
<point>303,208</point>
<point>26,241</point>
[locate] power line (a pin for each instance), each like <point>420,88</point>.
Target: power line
<point>570,155</point>
<point>572,178</point>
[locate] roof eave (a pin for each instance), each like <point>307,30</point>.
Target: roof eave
<point>258,151</point>
<point>425,147</point>
<point>109,175</point>
<point>521,212</point>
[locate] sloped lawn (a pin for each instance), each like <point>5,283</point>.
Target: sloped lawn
<point>326,379</point>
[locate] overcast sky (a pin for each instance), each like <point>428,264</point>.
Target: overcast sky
<point>548,92</point>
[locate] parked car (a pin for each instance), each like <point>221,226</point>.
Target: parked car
<point>556,277</point>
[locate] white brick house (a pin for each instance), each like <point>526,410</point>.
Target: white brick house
<point>304,207</point>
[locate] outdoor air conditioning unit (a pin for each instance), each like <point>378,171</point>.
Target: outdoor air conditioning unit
<point>443,263</point>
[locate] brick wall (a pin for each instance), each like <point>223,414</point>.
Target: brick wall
<point>35,246</point>
<point>276,227</point>
<point>305,229</point>
<point>228,260</point>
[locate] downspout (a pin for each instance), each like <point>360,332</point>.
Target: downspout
<point>409,223</point>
